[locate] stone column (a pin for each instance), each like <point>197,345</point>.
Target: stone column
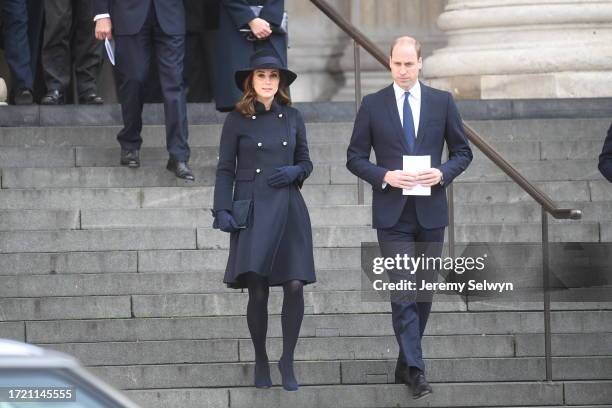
<point>524,49</point>
<point>315,47</point>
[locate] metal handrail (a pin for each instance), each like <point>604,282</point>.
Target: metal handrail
<point>547,204</point>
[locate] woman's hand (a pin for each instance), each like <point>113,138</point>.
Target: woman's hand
<point>226,222</point>
<point>260,28</point>
<point>285,176</point>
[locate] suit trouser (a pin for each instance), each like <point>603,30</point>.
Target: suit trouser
<point>20,40</point>
<point>133,55</point>
<point>410,310</point>
<point>69,35</point>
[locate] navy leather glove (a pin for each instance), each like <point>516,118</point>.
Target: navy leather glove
<point>226,222</point>
<point>285,176</point>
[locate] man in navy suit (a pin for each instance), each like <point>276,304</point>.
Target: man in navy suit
<point>140,27</point>
<point>408,118</point>
<point>605,158</point>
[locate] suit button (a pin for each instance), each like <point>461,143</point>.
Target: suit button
<point>280,115</point>
<point>258,171</point>
<point>253,117</point>
<point>259,144</point>
<point>285,143</point>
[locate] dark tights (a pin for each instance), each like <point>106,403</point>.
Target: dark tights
<point>257,314</point>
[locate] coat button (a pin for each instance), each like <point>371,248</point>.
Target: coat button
<point>253,117</point>
<point>259,144</point>
<point>285,143</point>
<point>258,171</point>
<point>280,115</point>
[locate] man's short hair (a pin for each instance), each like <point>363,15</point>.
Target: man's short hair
<point>417,44</point>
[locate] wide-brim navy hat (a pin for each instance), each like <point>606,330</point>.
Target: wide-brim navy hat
<point>264,59</point>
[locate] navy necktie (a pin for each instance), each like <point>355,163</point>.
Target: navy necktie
<point>408,123</point>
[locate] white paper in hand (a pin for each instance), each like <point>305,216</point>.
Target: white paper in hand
<point>110,49</point>
<point>417,163</point>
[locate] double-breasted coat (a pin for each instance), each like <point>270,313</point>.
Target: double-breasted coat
<point>233,50</point>
<point>277,242</point>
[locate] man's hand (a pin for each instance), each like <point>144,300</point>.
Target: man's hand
<point>260,28</point>
<point>401,179</point>
<point>104,29</point>
<point>429,177</point>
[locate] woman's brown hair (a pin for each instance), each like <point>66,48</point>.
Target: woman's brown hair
<point>246,104</point>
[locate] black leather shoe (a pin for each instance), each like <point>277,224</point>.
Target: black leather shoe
<point>181,169</point>
<point>53,97</point>
<point>23,97</point>
<point>91,99</point>
<point>130,158</point>
<point>420,386</point>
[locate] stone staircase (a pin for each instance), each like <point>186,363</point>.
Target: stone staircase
<point>121,269</point>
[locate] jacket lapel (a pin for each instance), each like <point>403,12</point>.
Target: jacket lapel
<point>422,118</point>
<point>394,116</point>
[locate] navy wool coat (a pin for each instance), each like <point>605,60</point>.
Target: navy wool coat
<point>277,243</point>
<point>233,50</point>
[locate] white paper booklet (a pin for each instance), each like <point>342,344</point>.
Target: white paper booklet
<point>110,49</point>
<point>417,163</point>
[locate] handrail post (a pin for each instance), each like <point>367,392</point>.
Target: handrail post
<point>546,288</point>
<point>357,57</point>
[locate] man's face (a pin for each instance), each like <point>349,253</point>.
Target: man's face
<point>405,65</point>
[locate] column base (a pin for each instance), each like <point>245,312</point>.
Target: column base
<point>594,84</point>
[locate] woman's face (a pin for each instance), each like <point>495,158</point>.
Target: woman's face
<point>265,82</point>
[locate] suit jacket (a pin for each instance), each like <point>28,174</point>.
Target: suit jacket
<point>605,158</point>
<point>378,126</point>
<point>128,16</point>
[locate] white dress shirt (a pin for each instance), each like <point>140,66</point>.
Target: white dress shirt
<point>414,100</point>
<point>106,15</point>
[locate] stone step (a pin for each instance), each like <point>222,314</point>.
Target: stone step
<point>201,197</point>
<point>153,135</point>
<point>51,308</point>
<point>96,240</point>
<point>210,261</point>
<point>129,377</point>
<point>20,220</point>
<point>150,197</point>
<point>151,283</point>
<point>235,327</point>
<point>479,394</point>
<point>112,177</point>
<point>307,349</point>
<point>330,150</point>
<point>14,220</point>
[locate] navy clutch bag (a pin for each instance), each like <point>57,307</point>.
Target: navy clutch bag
<point>241,210</point>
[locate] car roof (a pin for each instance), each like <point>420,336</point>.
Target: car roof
<point>17,354</point>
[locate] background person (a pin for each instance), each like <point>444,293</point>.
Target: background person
<point>233,48</point>
<point>605,158</point>
<point>142,28</point>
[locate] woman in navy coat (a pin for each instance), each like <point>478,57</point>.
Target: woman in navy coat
<point>233,49</point>
<point>263,157</point>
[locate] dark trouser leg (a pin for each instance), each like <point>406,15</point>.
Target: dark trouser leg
<point>132,56</point>
<point>87,50</point>
<point>293,314</point>
<point>16,44</point>
<point>56,58</point>
<point>409,312</point>
<point>257,320</point>
<point>170,52</point>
